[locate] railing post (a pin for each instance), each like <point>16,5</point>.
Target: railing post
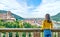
<point>7,34</point>
<point>58,34</point>
<point>0,34</point>
<point>52,34</point>
<point>20,34</point>
<point>32,35</point>
<point>41,34</point>
<point>36,34</point>
<point>13,34</point>
<point>27,34</point>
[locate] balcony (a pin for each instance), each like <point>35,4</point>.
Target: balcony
<point>35,32</point>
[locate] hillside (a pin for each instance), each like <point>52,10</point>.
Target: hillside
<point>15,16</point>
<point>3,11</point>
<point>56,17</point>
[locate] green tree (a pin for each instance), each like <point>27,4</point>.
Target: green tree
<point>27,25</point>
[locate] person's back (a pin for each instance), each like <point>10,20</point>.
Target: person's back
<point>47,25</point>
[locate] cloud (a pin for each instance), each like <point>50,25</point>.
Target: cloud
<point>13,6</point>
<point>21,8</point>
<point>48,6</point>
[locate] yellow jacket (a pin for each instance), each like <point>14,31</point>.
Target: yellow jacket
<point>46,25</point>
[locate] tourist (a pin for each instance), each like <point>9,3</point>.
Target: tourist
<point>47,26</point>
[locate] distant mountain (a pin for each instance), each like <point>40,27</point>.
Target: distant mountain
<point>56,17</point>
<point>15,16</point>
<point>3,11</point>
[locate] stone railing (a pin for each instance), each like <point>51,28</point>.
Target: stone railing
<point>35,32</point>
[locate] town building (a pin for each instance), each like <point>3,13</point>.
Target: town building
<point>7,16</point>
<point>33,21</point>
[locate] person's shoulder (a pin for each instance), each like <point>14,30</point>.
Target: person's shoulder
<point>51,21</point>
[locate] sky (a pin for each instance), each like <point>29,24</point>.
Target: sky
<point>31,8</point>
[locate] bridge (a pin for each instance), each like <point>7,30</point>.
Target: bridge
<point>35,32</point>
